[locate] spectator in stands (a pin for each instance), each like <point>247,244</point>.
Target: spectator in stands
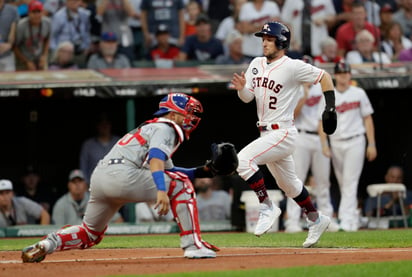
<point>252,16</point>
<point>366,53</point>
<point>33,39</point>
<point>146,212</point>
<point>329,53</point>
<point>234,55</point>
<point>69,208</point>
<point>72,23</point>
<point>404,17</point>
<point>136,27</point>
<point>192,10</point>
<point>114,16</point>
<point>394,41</point>
<point>231,22</point>
<point>203,46</point>
<point>345,35</point>
<point>394,174</point>
<point>52,6</point>
<point>322,16</point>
<point>164,53</point>
<point>95,148</point>
<point>385,15</point>
<point>63,57</point>
<point>8,22</point>
<point>405,55</point>
<point>108,57</point>
<point>172,14</point>
<point>31,186</point>
<point>216,10</point>
<point>213,203</point>
<point>19,210</point>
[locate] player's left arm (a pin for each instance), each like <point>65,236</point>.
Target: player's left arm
<point>371,151</point>
<point>329,117</point>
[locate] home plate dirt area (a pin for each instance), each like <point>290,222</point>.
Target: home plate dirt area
<point>103,262</point>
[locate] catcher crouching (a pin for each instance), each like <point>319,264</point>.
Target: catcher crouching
<point>139,168</point>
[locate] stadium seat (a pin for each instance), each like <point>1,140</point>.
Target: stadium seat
<point>376,190</point>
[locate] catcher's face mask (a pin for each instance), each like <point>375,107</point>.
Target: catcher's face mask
<point>193,111</point>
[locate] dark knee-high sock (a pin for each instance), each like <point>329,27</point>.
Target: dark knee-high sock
<point>257,183</point>
<point>304,201</point>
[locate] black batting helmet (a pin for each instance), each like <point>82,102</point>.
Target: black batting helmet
<point>342,67</point>
<point>278,30</point>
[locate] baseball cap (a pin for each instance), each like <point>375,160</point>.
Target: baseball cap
<point>202,18</point>
<point>5,185</point>
<point>108,36</point>
<point>342,67</point>
<point>35,6</point>
<point>386,8</point>
<point>162,29</point>
<point>173,102</point>
<point>76,173</point>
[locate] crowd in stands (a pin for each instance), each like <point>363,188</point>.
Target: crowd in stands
<point>98,34</point>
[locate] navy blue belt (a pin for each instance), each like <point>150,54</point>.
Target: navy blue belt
<point>115,161</point>
<point>308,132</point>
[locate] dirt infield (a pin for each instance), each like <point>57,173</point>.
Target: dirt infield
<point>103,262</point>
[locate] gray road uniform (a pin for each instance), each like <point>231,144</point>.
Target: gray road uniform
<point>124,176</point>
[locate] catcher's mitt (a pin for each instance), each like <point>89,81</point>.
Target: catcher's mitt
<point>224,159</point>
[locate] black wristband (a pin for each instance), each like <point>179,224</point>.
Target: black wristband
<point>329,99</point>
<point>201,172</point>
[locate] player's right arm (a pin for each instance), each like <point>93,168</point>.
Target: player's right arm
<point>239,83</point>
<point>157,167</point>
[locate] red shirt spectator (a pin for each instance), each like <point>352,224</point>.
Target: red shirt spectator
<point>345,35</point>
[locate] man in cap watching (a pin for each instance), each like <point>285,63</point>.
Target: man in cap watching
<point>164,52</point>
<point>69,209</point>
<point>19,210</point>
<point>108,56</point>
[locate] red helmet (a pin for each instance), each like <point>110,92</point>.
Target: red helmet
<point>184,104</point>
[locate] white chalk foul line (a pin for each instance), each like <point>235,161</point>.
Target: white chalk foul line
<point>291,251</point>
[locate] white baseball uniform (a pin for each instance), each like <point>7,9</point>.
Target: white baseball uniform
<point>348,150</point>
<point>276,89</point>
<point>308,155</point>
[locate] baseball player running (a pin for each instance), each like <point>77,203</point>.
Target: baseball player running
<point>273,81</point>
<point>139,168</point>
<point>348,143</point>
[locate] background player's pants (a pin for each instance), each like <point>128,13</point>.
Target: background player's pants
<point>273,148</point>
<point>308,155</point>
<point>348,158</point>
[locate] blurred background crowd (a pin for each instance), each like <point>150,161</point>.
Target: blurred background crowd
<point>97,34</point>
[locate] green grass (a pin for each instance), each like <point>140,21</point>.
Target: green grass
<point>361,239</point>
<point>392,238</point>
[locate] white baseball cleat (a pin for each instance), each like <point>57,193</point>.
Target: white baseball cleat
<point>199,253</point>
<point>267,217</point>
<point>316,229</point>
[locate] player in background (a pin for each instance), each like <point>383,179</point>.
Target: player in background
<point>274,82</point>
<point>308,156</point>
<point>348,145</point>
<point>139,168</point>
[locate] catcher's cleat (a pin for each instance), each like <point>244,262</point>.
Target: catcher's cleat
<point>199,253</point>
<point>34,253</point>
<point>267,217</point>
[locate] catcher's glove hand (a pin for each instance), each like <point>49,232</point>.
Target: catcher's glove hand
<point>329,120</point>
<point>224,159</point>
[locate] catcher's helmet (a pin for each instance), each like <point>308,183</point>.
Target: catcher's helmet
<point>278,30</point>
<point>342,67</point>
<point>184,104</point>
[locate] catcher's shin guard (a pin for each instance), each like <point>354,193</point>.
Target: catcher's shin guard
<point>77,237</point>
<point>184,207</point>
